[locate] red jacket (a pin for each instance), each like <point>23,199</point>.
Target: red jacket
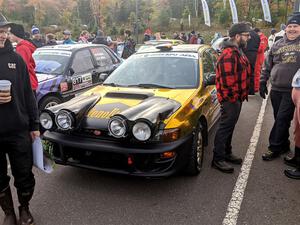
<point>232,74</point>
<point>193,40</point>
<point>260,60</point>
<point>261,50</point>
<point>26,49</point>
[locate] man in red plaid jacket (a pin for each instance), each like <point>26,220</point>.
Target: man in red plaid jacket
<point>232,81</point>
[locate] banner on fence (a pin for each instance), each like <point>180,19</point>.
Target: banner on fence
<point>233,11</point>
<point>206,13</point>
<point>266,10</point>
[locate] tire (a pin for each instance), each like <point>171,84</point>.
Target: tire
<point>195,159</point>
<point>48,102</point>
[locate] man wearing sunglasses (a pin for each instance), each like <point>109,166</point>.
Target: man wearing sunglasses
<point>232,81</point>
<point>280,65</point>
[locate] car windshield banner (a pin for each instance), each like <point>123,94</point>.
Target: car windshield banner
<point>170,54</point>
<point>42,52</point>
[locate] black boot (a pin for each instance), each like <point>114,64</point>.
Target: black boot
<point>294,173</point>
<point>290,161</point>
<point>25,215</point>
<point>233,159</point>
<point>222,166</point>
<point>7,205</point>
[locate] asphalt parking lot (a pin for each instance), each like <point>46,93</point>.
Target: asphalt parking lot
<point>73,196</point>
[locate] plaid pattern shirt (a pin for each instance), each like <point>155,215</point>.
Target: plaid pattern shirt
<point>232,75</point>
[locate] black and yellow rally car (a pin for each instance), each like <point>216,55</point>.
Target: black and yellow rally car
<point>150,117</point>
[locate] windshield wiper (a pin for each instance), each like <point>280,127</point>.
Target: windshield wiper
<point>150,86</point>
<point>48,73</point>
<point>114,85</point>
<point>41,72</point>
<point>110,84</point>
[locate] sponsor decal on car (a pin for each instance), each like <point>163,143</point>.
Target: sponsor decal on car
<point>82,81</point>
<point>214,98</point>
<point>98,54</point>
<point>101,114</point>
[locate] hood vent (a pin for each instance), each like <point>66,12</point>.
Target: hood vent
<point>129,95</point>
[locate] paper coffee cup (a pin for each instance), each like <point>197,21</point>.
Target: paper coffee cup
<point>5,85</point>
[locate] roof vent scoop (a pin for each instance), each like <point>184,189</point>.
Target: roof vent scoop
<point>129,95</point>
<point>165,47</point>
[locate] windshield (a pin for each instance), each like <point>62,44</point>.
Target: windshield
<point>157,70</point>
<point>51,62</point>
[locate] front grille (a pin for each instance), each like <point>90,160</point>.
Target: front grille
<point>89,133</point>
<point>95,158</point>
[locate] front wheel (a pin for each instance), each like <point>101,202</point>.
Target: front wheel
<point>49,101</point>
<point>195,159</point>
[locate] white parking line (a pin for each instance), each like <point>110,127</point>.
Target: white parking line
<point>234,205</point>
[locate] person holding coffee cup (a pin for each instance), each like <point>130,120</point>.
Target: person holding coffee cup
<point>19,126</point>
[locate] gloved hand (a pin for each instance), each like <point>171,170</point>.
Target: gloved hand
<point>263,90</point>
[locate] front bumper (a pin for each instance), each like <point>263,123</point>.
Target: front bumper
<point>117,157</point>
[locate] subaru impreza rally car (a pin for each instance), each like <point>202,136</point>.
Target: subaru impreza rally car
<point>65,70</point>
<point>150,117</point>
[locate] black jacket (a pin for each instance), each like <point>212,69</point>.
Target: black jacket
<point>38,43</point>
<point>100,40</point>
<point>21,114</point>
<point>252,48</point>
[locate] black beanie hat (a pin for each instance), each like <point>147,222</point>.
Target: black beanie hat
<point>238,28</point>
<point>295,19</point>
<point>17,30</point>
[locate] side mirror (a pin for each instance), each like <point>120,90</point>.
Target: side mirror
<point>209,80</point>
<point>71,71</point>
<point>103,76</point>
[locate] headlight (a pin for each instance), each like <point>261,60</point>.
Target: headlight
<point>64,120</point>
<point>46,121</point>
<point>141,131</point>
<point>117,127</point>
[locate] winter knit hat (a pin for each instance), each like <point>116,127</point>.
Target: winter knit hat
<point>296,79</point>
<point>239,28</point>
<point>35,30</point>
<point>273,31</point>
<point>17,30</point>
<point>295,19</point>
<point>66,32</point>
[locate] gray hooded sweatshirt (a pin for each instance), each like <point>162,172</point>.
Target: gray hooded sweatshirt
<point>281,64</point>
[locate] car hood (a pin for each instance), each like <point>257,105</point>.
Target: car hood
<point>154,105</point>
